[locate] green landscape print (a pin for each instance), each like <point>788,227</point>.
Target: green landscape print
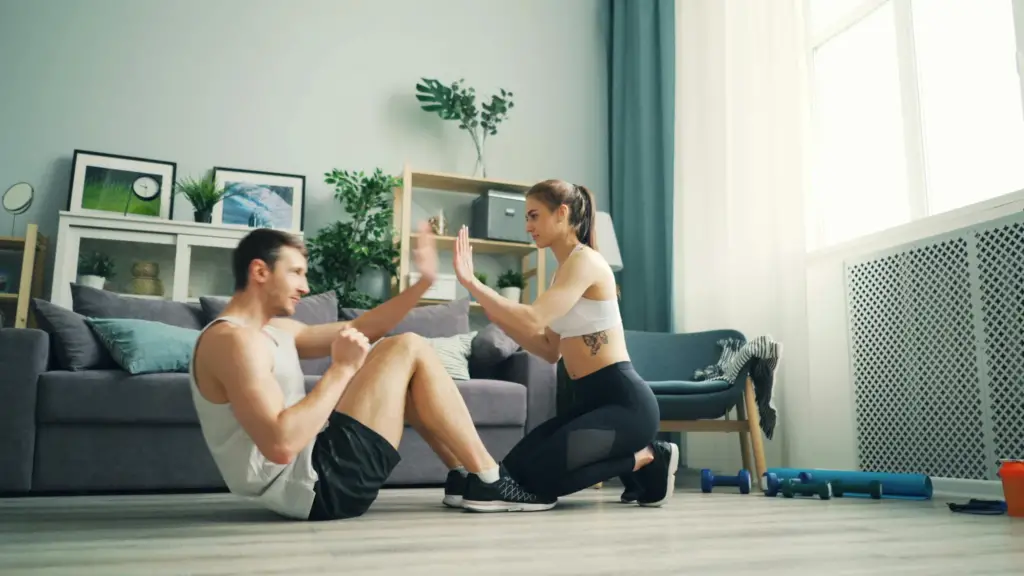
<point>110,190</point>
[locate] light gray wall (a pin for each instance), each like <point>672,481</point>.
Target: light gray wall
<point>301,87</point>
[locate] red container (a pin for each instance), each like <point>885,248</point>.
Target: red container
<point>1012,474</point>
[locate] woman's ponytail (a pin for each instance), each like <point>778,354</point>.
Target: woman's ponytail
<point>587,232</point>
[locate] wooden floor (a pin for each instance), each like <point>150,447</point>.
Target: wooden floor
<point>410,532</point>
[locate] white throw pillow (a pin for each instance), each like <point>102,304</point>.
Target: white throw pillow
<point>454,352</point>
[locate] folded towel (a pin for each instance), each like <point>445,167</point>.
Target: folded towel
<point>762,354</point>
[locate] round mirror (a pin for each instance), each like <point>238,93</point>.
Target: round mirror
<point>18,198</point>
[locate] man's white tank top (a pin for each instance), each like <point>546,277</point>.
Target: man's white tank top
<point>285,489</point>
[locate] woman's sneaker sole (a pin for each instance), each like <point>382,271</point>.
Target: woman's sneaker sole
<point>452,501</point>
<point>673,463</point>
<point>505,506</point>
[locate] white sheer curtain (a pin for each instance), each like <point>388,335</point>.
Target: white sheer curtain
<point>742,124</point>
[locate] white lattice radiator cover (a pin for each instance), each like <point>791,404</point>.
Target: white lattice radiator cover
<point>937,349</point>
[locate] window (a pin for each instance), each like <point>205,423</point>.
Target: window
<point>917,110</point>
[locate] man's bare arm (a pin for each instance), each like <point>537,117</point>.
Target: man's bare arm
<point>378,322</point>
<point>240,361</point>
<point>314,341</point>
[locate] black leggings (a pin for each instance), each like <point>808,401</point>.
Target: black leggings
<point>614,415</point>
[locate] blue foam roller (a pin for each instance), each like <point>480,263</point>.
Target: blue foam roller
<point>900,486</point>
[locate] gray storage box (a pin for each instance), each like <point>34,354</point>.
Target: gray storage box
<point>500,215</point>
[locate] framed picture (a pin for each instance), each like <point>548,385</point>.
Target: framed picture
<point>260,199</point>
<point>109,183</point>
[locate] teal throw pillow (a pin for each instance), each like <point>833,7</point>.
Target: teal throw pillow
<point>143,346</point>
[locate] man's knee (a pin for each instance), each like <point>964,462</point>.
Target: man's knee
<point>404,345</point>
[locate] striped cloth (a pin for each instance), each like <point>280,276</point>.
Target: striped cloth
<point>763,353</point>
<point>454,353</point>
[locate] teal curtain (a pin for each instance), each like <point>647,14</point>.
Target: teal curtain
<point>642,147</point>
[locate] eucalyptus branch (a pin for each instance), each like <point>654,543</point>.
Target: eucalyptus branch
<point>457,103</point>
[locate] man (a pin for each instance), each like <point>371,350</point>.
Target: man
<point>325,455</point>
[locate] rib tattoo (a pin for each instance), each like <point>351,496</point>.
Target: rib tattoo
<point>595,341</point>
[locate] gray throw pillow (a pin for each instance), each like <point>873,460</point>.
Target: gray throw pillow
<point>434,321</point>
<point>454,351</point>
<point>492,346</point>
<point>75,346</point>
<point>95,303</point>
<point>317,309</point>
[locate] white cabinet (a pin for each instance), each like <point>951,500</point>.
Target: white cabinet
<point>193,259</point>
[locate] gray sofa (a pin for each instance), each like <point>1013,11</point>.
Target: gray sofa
<point>65,429</point>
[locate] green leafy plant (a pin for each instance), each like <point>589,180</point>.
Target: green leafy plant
<point>95,264</point>
<point>343,251</point>
<point>481,276</point>
<point>458,103</point>
<point>511,279</point>
<point>202,194</point>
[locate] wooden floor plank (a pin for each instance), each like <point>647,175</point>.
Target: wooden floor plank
<point>408,532</point>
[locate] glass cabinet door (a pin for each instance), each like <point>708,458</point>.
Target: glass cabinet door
<point>204,268</point>
<point>130,263</point>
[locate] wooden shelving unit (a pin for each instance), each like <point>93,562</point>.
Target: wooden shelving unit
<point>435,181</point>
<point>33,255</point>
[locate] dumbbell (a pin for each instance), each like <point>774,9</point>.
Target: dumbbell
<point>822,490</point>
<point>772,483</point>
<point>708,481</point>
<point>873,488</point>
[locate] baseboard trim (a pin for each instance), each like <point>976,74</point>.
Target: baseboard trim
<point>959,489</point>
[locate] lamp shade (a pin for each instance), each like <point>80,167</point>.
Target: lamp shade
<point>607,244</point>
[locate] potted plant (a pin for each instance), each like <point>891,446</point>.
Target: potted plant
<point>511,285</point>
<point>203,195</point>
<point>458,103</point>
<point>357,259</point>
<point>94,269</point>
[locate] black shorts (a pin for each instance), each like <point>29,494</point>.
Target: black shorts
<point>351,462</point>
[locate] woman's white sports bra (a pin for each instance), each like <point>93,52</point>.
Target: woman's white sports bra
<point>587,316</point>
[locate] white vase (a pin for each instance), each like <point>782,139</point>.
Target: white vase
<point>92,281</point>
<point>513,294</point>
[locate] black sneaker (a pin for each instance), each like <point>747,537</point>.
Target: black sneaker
<point>632,491</point>
<point>505,495</point>
<point>658,478</point>
<point>454,488</point>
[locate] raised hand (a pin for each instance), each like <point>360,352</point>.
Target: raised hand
<point>463,259</point>
<point>424,254</point>
<point>350,347</point>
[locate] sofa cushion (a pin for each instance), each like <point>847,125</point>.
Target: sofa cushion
<point>143,347</point>
<point>434,321</point>
<point>96,303</point>
<point>115,396</point>
<point>686,387</point>
<point>75,346</point>
<point>491,347</point>
<point>490,402</point>
<point>316,309</point>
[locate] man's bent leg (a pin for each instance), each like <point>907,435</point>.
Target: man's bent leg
<point>376,395</point>
<point>441,412</point>
<point>455,481</point>
<point>358,450</point>
<point>435,443</point>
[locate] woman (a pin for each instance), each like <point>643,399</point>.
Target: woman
<point>611,426</point>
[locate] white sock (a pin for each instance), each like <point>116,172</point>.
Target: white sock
<point>489,476</point>
<point>462,470</point>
